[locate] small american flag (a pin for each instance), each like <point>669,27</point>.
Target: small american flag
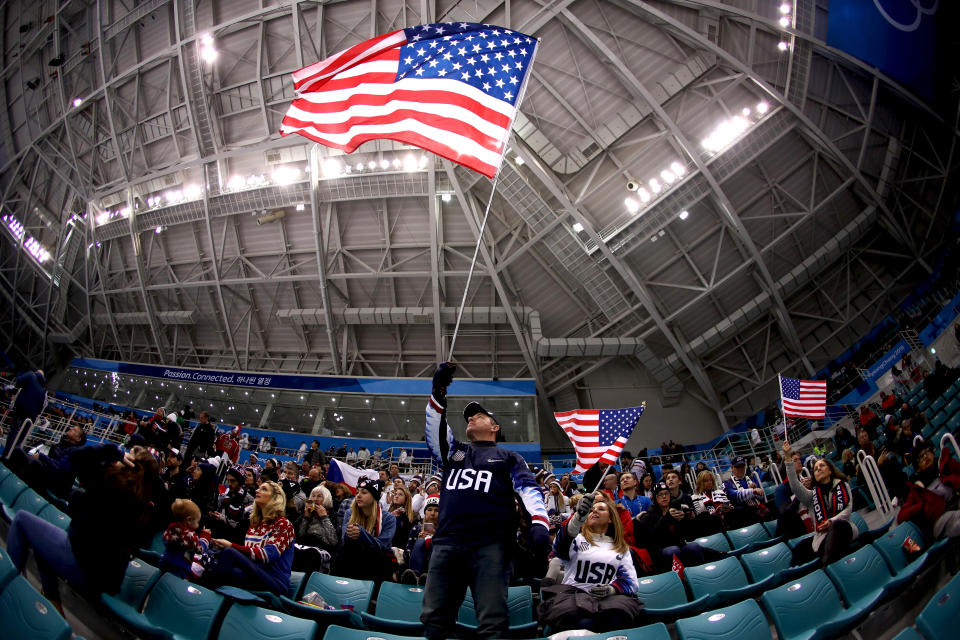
<point>598,435</point>
<point>449,88</point>
<point>803,398</point>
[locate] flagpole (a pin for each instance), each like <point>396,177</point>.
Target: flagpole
<point>493,191</point>
<point>783,416</point>
<point>609,466</point>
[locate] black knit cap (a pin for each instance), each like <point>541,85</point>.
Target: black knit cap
<point>374,487</point>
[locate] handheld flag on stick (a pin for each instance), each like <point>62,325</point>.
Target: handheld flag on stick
<point>449,88</point>
<point>801,399</point>
<point>344,473</point>
<point>598,435</point>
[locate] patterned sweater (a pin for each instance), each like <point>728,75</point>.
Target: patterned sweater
<point>181,543</point>
<point>270,544</point>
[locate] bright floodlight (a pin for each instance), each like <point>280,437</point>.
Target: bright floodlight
<point>300,207</point>
<point>762,107</point>
<point>784,21</point>
<point>384,164</point>
<point>667,176</point>
<point>577,227</point>
<point>285,175</point>
<point>684,214</point>
<point>206,40</point>
<point>446,197</point>
<point>655,185</point>
<point>409,163</point>
<point>332,169</point>
<point>360,166</point>
<point>782,45</point>
<point>192,191</point>
<point>423,161</point>
<point>519,161</point>
<point>644,194</point>
<point>677,168</point>
<point>236,182</point>
<point>371,165</point>
<point>158,230</point>
<point>632,205</point>
<point>208,53</point>
<point>77,102</point>
<point>785,8</point>
<point>745,111</point>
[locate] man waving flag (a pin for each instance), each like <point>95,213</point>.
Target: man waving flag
<point>598,435</point>
<point>449,88</point>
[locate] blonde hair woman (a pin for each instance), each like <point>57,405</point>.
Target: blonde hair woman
<point>401,506</point>
<point>264,561</point>
<point>367,536</point>
<point>598,563</point>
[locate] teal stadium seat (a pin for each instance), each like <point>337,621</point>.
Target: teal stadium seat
<point>866,535</point>
<point>909,634</point>
<point>29,501</point>
<point>154,552</point>
<point>862,577</point>
<point>717,542</point>
<point>254,623</point>
<point>7,571</point>
<point>335,591</point>
<point>748,538</point>
<point>54,516</point>
<point>722,581</point>
<point>138,579</point>
<point>10,490</point>
<point>742,621</point>
<point>939,618</point>
<point>175,610</point>
<point>26,614</point>
<point>298,579</point>
<point>808,609</point>
<point>774,561</point>
<point>398,609</point>
<point>663,596</point>
<point>657,631</point>
<point>4,472</point>
<point>336,632</point>
<point>890,547</point>
<point>519,605</point>
<point>771,528</point>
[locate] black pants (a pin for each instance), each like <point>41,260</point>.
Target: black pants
<point>832,548</point>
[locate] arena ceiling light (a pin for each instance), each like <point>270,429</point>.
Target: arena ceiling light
<point>207,51</point>
<point>30,244</point>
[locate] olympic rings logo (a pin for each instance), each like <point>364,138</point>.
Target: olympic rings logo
<point>917,4</point>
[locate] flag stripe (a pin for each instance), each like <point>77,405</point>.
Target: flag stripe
<point>598,435</point>
<point>453,95</point>
<point>803,398</point>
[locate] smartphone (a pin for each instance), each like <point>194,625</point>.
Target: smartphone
<point>428,527</point>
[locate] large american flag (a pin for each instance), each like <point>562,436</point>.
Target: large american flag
<point>449,88</point>
<point>803,398</point>
<point>598,435</point>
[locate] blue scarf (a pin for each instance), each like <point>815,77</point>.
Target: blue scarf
<point>836,502</point>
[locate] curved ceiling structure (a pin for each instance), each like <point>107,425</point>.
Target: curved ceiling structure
<point>681,191</point>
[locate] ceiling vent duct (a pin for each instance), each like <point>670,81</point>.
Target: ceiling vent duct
<point>273,216</point>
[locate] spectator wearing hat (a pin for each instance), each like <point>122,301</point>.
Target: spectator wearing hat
<point>419,547</point>
<point>478,520</point>
<point>664,531</point>
<point>254,463</point>
<point>176,479</point>
<point>556,504</point>
<point>744,496</point>
<point>317,534</point>
<point>263,561</point>
<point>230,520</point>
<point>933,487</point>
<point>366,551</point>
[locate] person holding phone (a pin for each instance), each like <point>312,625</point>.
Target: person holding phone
<point>417,554</point>
<point>830,502</point>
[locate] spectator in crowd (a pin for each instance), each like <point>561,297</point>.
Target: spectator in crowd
<point>363,457</point>
<point>894,479</point>
<point>598,565</point>
<point>367,536</point>
<point>351,457</point>
<point>253,462</point>
<point>182,541</point>
<point>176,479</point>
<point>302,451</point>
<point>295,501</point>
<point>790,522</point>
<point>315,456</point>
<point>311,480</point>
<point>869,420</point>
<point>830,503</point>
<point>403,459</point>
<point>202,441</point>
<point>646,486</point>
<point>684,478</point>
<point>205,490</point>
<point>933,488</point>
<point>317,535</point>
<point>888,401</point>
<point>187,412</point>
<point>342,451</point>
<point>665,529</point>
<point>631,499</point>
<point>744,496</point>
<point>264,561</point>
<point>849,467</point>
<point>244,441</point>
<point>271,472</point>
<point>401,506</point>
<point>677,494</point>
<point>120,489</point>
<point>49,472</point>
<point>230,520</point>
<point>709,504</point>
<point>611,485</point>
<point>556,503</point>
<point>843,439</point>
<point>417,555</point>
<point>593,475</point>
<point>26,407</point>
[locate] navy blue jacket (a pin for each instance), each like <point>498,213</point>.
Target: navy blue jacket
<point>33,393</point>
<point>480,482</point>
